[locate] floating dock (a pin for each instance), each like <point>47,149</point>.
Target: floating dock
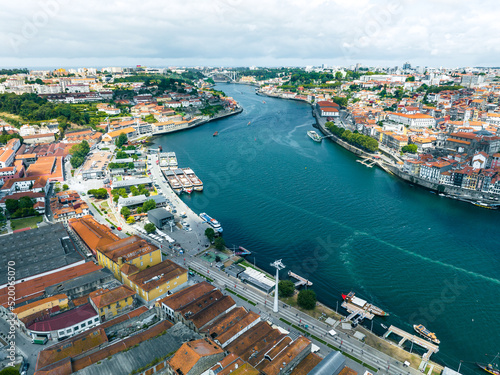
<point>301,281</point>
<point>356,310</point>
<point>431,348</point>
<point>367,162</point>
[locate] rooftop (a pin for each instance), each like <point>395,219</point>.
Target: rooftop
<point>105,297</point>
<point>91,232</point>
<point>191,352</point>
<point>37,251</point>
<point>160,273</point>
<point>187,295</point>
<point>65,319</point>
<point>126,248</point>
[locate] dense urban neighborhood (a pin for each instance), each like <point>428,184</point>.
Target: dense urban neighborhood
<point>132,281</point>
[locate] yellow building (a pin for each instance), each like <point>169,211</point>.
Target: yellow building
<point>156,281</point>
<point>132,250</point>
<point>59,300</point>
<point>109,303</point>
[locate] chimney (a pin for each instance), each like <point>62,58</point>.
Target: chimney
<point>120,261</point>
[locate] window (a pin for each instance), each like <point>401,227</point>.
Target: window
<point>175,283</point>
<point>141,263</point>
<point>84,324</point>
<point>102,309</point>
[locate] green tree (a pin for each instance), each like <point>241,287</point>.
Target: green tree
<point>121,140</point>
<point>210,233</point>
<point>286,288</point>
<point>123,192</point>
<point>139,210</point>
<point>150,228</point>
<point>26,202</point>
<point>307,299</point>
<point>9,371</point>
<point>220,243</point>
<point>130,220</point>
<point>65,187</point>
<point>148,205</point>
<point>411,148</point>
<point>12,205</point>
<point>125,212</point>
<point>410,79</point>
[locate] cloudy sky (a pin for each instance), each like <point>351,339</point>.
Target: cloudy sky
<point>73,33</point>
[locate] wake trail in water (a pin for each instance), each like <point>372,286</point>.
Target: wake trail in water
<point>379,240</point>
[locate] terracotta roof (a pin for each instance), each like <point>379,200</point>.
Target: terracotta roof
<point>286,356</point>
<point>236,326</point>
<point>35,136</point>
<point>36,287</point>
<point>191,352</point>
<point>126,248</point>
<point>187,295</point>
<point>105,297</point>
<point>71,347</point>
<point>31,305</point>
<point>91,232</point>
<point>150,278</point>
<point>307,364</point>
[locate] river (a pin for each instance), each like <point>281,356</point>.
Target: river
<point>423,258</point>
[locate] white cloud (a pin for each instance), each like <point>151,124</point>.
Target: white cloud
<point>199,32</point>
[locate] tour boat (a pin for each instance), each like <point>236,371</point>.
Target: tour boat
<point>489,367</point>
<point>426,333</point>
<point>314,136</point>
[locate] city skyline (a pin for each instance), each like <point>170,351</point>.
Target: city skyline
<point>236,33</point>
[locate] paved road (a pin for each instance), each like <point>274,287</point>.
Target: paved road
<point>344,341</point>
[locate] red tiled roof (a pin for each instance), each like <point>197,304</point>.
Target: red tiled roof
<point>65,319</point>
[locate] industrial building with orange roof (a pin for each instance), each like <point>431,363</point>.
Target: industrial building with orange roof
<point>92,233</point>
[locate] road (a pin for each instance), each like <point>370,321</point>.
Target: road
<point>347,343</point>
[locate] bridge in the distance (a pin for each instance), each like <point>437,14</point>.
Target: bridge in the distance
<point>229,74</point>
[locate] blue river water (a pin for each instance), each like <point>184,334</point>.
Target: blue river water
<point>423,258</point>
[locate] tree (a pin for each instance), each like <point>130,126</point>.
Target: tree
<point>210,233</point>
<point>150,228</point>
<point>412,149</point>
<point>12,205</point>
<point>286,288</point>
<point>220,243</point>
<point>9,371</point>
<point>65,187</point>
<point>26,202</point>
<point>130,220</point>
<point>410,79</point>
<point>125,212</point>
<point>121,140</point>
<point>307,299</point>
<point>217,259</point>
<point>148,205</point>
<point>139,210</point>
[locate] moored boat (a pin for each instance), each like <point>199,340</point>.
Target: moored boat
<point>211,221</point>
<point>426,333</point>
<point>361,303</point>
<point>492,369</point>
<point>197,184</point>
<point>173,181</point>
<point>186,183</point>
<point>172,160</point>
<point>216,134</point>
<point>314,136</point>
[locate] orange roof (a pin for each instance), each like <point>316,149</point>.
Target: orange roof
<point>91,232</point>
<point>162,272</point>
<point>126,248</point>
<point>36,287</point>
<point>117,133</point>
<point>31,305</point>
<point>307,364</point>
<point>458,141</point>
<point>191,352</point>
<point>6,154</point>
<point>105,297</point>
<point>286,356</point>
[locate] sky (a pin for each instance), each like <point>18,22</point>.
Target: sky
<point>91,33</point>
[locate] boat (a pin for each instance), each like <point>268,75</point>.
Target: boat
<point>216,134</point>
<point>361,303</point>
<point>314,136</point>
<point>186,183</point>
<point>489,367</point>
<point>426,333</point>
<point>484,205</point>
<point>173,181</point>
<point>172,160</point>
<point>249,122</point>
<point>264,102</point>
<point>211,221</point>
<point>383,326</point>
<point>197,184</point>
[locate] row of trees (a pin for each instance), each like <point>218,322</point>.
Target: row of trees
<point>357,139</point>
<point>129,165</point>
<point>31,107</point>
<point>101,193</point>
<point>79,153</point>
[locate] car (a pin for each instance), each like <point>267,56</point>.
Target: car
<point>25,368</point>
<point>112,227</point>
<point>191,273</point>
<point>119,228</point>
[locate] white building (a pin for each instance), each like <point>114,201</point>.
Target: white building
<point>416,120</point>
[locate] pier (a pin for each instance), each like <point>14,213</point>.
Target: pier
<point>301,281</point>
<point>368,162</point>
<point>431,348</point>
<point>355,310</point>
